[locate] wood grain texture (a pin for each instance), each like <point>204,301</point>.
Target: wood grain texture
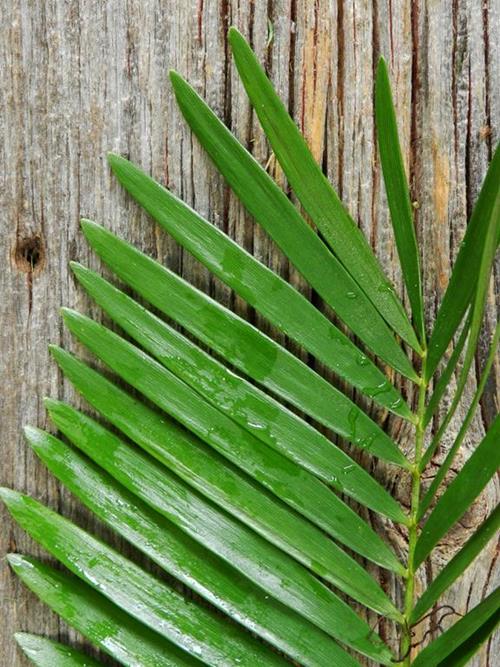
<point>81,77</point>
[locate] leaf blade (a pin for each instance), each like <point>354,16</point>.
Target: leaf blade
<point>315,192</point>
<point>47,653</point>
<point>462,491</point>
<point>398,193</point>
<point>457,565</point>
<point>486,261</point>
<point>463,279</point>
<point>447,463</point>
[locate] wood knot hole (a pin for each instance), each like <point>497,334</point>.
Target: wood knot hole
<point>30,254</point>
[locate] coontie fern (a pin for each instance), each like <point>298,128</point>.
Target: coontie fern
<point>224,476</point>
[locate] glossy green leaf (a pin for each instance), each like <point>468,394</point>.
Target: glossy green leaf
<point>47,653</point>
<point>105,625</point>
<point>457,565</point>
<point>450,457</point>
<point>460,494</point>
<point>244,346</point>
<point>455,639</point>
<point>272,296</point>
<point>468,649</point>
<point>445,377</point>
<point>202,469</point>
<point>257,412</point>
<point>293,485</point>
<point>272,209</point>
<point>476,319</point>
<point>193,565</point>
<point>191,627</point>
<point>464,277</point>
<point>398,193</point>
<point>315,192</point>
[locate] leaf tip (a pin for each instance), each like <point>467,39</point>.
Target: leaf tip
<point>31,433</point>
<point>176,79</point>
<point>114,159</point>
<point>8,495</point>
<point>234,35</point>
<point>18,561</point>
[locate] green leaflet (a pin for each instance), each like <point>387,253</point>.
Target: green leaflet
<point>247,348</point>
<point>444,380</point>
<point>468,649</point>
<point>460,494</point>
<point>272,209</point>
<point>457,565</point>
<point>398,193</point>
<point>200,467</point>
<point>447,463</point>
<point>315,192</point>
<point>191,627</point>
<point>196,567</point>
<point>465,272</point>
<point>478,305</point>
<point>293,485</point>
<point>47,653</point>
<point>272,296</point>
<point>257,412</point>
<point>455,639</point>
<point>104,624</point>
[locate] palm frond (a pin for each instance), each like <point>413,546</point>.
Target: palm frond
<point>220,466</point>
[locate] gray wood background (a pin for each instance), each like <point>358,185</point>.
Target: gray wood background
<point>81,77</point>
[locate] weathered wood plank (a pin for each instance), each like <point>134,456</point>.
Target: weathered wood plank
<point>81,78</point>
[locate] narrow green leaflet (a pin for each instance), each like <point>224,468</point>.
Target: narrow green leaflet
<point>463,490</point>
<point>196,567</point>
<point>465,272</point>
<point>477,311</point>
<point>398,193</point>
<point>450,457</point>
<point>444,380</point>
<point>316,193</point>
<point>105,625</point>
<point>202,469</point>
<point>191,627</point>
<point>457,565</point>
<point>293,485</point>
<point>244,346</point>
<point>272,296</point>
<point>455,639</point>
<point>272,209</point>
<point>257,412</point>
<point>47,653</point>
<point>468,649</point>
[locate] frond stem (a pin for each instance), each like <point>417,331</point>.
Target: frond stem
<point>406,641</point>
